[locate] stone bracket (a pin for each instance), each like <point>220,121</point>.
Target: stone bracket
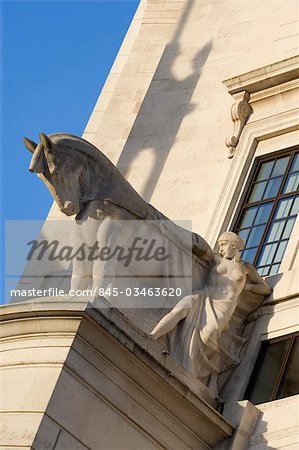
<point>240,113</point>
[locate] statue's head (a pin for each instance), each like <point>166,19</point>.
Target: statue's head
<point>230,244</point>
<point>59,170</point>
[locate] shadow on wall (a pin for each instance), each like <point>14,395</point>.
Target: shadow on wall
<point>259,440</point>
<point>165,105</point>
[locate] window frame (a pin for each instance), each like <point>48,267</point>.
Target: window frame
<point>258,365</point>
<point>274,120</point>
<point>244,204</point>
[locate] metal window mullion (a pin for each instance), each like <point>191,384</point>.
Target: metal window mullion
<point>276,200</point>
<point>269,179</point>
<point>280,195</point>
<point>284,227</point>
<point>286,219</point>
<point>256,171</point>
<point>267,227</point>
<point>286,173</point>
<point>273,242</point>
<point>259,202</point>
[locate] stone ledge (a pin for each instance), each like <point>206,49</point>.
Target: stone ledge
<point>284,286</point>
<point>264,77</point>
<point>147,350</point>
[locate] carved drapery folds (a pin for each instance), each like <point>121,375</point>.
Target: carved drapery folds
<point>240,113</point>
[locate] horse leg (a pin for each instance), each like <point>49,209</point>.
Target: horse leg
<point>81,275</point>
<point>83,236</point>
<point>103,271</point>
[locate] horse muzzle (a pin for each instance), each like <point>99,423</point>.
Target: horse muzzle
<point>69,208</point>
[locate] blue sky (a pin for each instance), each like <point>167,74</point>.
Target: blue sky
<point>55,57</point>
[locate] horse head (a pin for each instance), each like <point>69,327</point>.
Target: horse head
<point>77,173</point>
<point>60,170</point>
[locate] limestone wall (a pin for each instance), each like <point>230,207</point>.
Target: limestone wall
<point>164,113</point>
<point>162,118</point>
<point>78,378</point>
<point>33,348</point>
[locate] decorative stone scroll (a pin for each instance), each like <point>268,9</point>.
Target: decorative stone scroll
<point>240,113</point>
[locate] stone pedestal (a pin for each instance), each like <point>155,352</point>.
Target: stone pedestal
<point>81,376</point>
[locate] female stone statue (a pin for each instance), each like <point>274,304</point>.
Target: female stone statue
<point>195,325</point>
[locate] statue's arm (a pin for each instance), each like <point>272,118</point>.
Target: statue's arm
<point>255,283</point>
<point>200,247</point>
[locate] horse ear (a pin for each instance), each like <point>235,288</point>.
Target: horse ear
<point>45,140</point>
<point>48,151</point>
<point>31,145</point>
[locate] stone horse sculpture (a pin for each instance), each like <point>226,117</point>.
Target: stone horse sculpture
<point>86,184</point>
<point>210,310</point>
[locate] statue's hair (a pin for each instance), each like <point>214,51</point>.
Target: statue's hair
<point>233,238</point>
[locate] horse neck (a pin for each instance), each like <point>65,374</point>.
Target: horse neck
<point>86,180</point>
<point>102,181</point>
<point>91,180</point>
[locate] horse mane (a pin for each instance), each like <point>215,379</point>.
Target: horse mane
<point>71,142</point>
<point>113,185</point>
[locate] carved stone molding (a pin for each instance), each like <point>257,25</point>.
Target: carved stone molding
<point>255,85</point>
<point>240,113</point>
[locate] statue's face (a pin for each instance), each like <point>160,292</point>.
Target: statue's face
<point>226,249</point>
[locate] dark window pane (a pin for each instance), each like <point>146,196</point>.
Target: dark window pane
<point>292,183</point>
<point>263,213</point>
<point>265,170</point>
<point>283,208</point>
<point>249,255</point>
<point>275,231</point>
<point>268,373</point>
<point>274,269</point>
<point>272,188</point>
<point>255,236</point>
<point>257,191</point>
<point>280,166</point>
<point>248,217</point>
<point>280,251</point>
<point>295,163</point>
<point>267,254</point>
<point>290,382</point>
<point>288,229</point>
<point>244,234</point>
<point>295,207</point>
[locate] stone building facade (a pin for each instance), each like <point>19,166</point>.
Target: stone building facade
<point>200,114</point>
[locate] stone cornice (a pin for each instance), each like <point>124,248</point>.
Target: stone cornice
<point>257,85</point>
<point>264,77</point>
